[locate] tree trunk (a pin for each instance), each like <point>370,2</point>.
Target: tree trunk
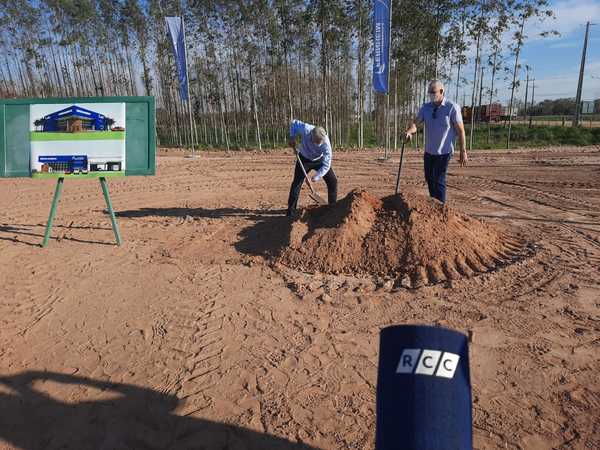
<point>254,108</point>
<point>289,85</point>
<point>324,65</point>
<point>514,82</point>
<point>492,94</point>
<point>477,62</point>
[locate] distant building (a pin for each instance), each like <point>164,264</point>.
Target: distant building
<point>75,118</point>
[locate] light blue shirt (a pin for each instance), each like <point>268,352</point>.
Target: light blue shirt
<point>309,149</point>
<point>439,131</point>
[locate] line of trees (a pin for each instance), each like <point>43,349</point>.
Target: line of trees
<point>560,106</point>
<point>255,64</point>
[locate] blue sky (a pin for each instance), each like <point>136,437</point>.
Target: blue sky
<point>554,61</point>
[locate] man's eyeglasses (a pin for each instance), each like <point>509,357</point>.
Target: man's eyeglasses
<point>434,113</point>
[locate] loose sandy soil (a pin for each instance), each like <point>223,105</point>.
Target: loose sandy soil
<point>409,240</point>
<point>193,335</point>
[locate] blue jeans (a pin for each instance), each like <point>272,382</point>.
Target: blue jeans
<point>436,167</point>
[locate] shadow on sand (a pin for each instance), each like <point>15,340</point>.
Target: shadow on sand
<point>131,418</point>
<point>26,231</point>
<point>266,236</point>
<point>218,213</point>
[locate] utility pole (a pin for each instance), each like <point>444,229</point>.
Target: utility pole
<point>531,104</point>
<point>580,83</point>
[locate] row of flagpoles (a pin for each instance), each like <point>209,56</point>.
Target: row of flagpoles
<point>382,17</point>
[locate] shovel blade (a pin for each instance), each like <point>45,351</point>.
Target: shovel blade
<point>317,198</point>
<point>313,194</point>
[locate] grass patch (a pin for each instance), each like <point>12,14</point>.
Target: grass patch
<point>45,175</point>
<point>83,136</point>
<point>523,136</point>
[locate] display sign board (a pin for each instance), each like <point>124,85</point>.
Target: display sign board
<point>587,107</point>
<point>77,137</point>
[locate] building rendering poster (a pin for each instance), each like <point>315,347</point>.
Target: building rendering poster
<point>76,139</point>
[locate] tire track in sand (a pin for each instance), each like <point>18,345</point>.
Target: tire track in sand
<point>192,333</point>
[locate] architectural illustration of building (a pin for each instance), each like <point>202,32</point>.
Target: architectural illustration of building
<point>75,118</point>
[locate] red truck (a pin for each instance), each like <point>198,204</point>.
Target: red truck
<point>485,113</point>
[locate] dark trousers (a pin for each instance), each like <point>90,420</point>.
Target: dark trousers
<point>436,168</point>
<point>329,177</point>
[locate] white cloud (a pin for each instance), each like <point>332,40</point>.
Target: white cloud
<point>565,85</point>
<point>570,17</point>
<point>562,85</point>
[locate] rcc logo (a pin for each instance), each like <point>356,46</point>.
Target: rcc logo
<point>429,360</point>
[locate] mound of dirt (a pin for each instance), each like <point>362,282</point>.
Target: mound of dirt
<point>410,237</point>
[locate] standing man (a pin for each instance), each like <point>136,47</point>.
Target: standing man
<point>443,122</point>
<point>315,154</point>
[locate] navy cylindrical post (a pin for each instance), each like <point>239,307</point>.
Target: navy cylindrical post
<point>423,389</point>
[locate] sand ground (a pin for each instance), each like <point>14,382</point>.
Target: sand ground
<point>188,337</point>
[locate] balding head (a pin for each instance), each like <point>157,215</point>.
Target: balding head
<point>436,84</point>
<point>318,135</point>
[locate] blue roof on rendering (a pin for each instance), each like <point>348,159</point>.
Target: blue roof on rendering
<point>74,110</point>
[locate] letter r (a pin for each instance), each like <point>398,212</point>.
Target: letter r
<point>408,360</point>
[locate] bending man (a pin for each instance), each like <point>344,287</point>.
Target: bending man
<point>315,154</point>
<point>443,122</point>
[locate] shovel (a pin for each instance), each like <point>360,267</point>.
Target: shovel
<point>312,194</point>
<point>400,166</point>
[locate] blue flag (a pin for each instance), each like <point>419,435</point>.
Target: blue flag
<point>381,45</point>
<point>177,35</point>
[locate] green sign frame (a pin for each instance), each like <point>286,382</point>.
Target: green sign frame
<point>140,135</point>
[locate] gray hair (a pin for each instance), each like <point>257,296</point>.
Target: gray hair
<point>319,133</point>
<point>437,84</point>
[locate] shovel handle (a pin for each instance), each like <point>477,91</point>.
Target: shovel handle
<point>400,167</point>
<point>312,189</point>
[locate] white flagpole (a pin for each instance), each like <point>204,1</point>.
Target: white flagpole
<point>187,79</point>
<point>387,106</point>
